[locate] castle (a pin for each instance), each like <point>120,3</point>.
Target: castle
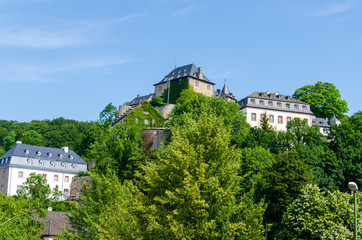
<point>279,108</point>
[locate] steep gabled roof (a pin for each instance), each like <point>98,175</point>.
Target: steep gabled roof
<point>46,153</point>
<point>189,70</point>
<point>140,99</point>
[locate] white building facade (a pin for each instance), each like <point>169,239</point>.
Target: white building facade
<point>280,109</point>
<point>58,166</point>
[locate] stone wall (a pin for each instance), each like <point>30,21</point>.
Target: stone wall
<point>153,137</point>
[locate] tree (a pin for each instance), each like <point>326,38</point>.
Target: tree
<point>107,210</point>
<point>254,164</point>
<point>9,140</point>
<point>264,123</point>
<point>18,220</point>
<point>346,142</point>
<point>116,146</point>
<point>193,190</point>
<point>316,215</point>
<point>36,189</point>
<point>157,101</point>
<point>32,137</point>
<point>108,114</point>
<point>324,99</point>
<point>285,178</point>
<point>196,104</point>
<point>299,133</point>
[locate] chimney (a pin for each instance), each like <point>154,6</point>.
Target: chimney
<point>18,142</point>
<point>65,149</point>
<point>200,75</point>
<point>138,95</point>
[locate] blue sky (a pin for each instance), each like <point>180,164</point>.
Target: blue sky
<point>71,58</point>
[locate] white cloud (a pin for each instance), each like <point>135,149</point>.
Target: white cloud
<point>335,8</point>
<point>186,10</point>
<point>46,72</point>
<point>67,34</point>
<point>39,37</point>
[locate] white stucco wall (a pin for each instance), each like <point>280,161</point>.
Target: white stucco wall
<point>277,126</point>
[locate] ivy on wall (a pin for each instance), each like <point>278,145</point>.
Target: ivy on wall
<point>176,87</point>
<point>147,115</point>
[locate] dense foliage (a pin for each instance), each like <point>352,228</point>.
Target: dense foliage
<point>324,99</point>
<point>215,177</point>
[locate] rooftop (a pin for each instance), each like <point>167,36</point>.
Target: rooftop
<point>46,153</point>
<point>189,70</point>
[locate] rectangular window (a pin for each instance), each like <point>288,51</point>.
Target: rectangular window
<point>253,117</point>
<point>66,192</point>
<point>271,118</point>
<point>20,174</point>
<point>289,119</point>
<point>44,175</point>
<point>19,186</point>
<point>3,175</point>
<point>262,116</point>
<point>208,87</point>
<point>66,179</point>
<point>280,119</point>
<point>196,84</point>
<point>55,178</point>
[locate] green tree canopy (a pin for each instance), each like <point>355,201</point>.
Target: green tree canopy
<point>315,215</point>
<point>18,220</point>
<point>9,140</point>
<point>107,210</point>
<point>286,178</point>
<point>32,137</point>
<point>193,190</point>
<point>108,114</point>
<point>196,104</point>
<point>324,99</point>
<point>36,189</point>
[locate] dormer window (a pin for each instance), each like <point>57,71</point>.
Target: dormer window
<point>304,107</point>
<point>62,165</point>
<point>296,106</point>
<point>287,105</point>
<point>287,97</point>
<point>41,163</point>
<point>262,94</point>
<point>279,104</point>
<point>252,101</point>
<point>71,157</point>
<point>52,164</point>
<point>26,151</point>
<point>74,166</point>
<point>50,154</point>
<point>60,155</point>
<point>270,103</point>
<point>38,153</point>
<point>261,102</point>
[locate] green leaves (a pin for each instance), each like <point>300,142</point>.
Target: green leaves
<point>324,99</point>
<point>318,215</point>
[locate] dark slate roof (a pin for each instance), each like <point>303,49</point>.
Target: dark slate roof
<point>274,96</point>
<point>20,150</point>
<point>184,71</point>
<point>321,122</point>
<point>54,222</point>
<point>140,99</point>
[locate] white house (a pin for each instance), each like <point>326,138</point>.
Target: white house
<point>58,166</point>
<point>279,108</point>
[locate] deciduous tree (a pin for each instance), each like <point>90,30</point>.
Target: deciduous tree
<point>324,99</point>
